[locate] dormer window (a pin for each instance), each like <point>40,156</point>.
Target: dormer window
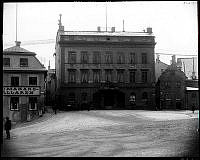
<point>23,62</point>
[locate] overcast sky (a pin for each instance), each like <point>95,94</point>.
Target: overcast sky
<point>174,24</point>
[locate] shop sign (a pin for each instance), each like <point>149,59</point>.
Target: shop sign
<point>21,91</point>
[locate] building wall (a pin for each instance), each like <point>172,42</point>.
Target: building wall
<point>62,66</point>
<point>23,113</point>
<point>172,89</point>
<point>159,68</point>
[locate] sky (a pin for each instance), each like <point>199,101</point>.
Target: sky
<point>174,24</point>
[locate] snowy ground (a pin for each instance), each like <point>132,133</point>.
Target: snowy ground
<point>107,133</point>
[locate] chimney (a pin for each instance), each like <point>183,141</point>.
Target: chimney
<point>149,30</point>
<point>17,43</point>
<point>113,29</point>
<point>99,29</point>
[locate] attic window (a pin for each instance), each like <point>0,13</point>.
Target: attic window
<point>23,62</point>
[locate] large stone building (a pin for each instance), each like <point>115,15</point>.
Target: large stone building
<point>110,69</point>
<point>23,84</point>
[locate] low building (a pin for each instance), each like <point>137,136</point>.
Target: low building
<point>171,88</point>
<point>23,84</point>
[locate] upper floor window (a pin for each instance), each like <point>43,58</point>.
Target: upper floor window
<point>108,57</point>
<point>144,58</point>
<point>132,76</point>
<point>23,62</point>
<point>108,75</point>
<point>120,58</point>
<point>14,103</point>
<point>120,76</point>
<point>144,76</point>
<point>96,76</point>
<point>132,58</point>
<point>84,76</point>
<point>72,57</point>
<point>84,57</point>
<point>72,76</point>
<point>32,80</point>
<point>96,57</point>
<point>6,62</point>
<point>14,81</point>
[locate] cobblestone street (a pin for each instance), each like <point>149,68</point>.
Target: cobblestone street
<point>115,133</point>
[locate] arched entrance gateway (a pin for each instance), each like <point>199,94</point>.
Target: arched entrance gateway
<point>109,99</point>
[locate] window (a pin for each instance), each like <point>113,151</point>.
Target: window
<point>84,96</point>
<point>132,98</point>
<point>32,103</point>
<point>72,57</point>
<point>108,57</point>
<point>23,62</point>
<point>108,75</point>
<point>144,95</point>
<point>96,57</point>
<point>84,76</point>
<point>32,80</point>
<point>6,62</point>
<point>72,76</point>
<point>14,81</point>
<point>120,76</point>
<point>144,58</point>
<point>193,95</point>
<point>14,103</point>
<point>120,58</point>
<point>144,76</point>
<point>132,58</point>
<point>178,84</point>
<point>84,57</point>
<point>132,77</point>
<point>96,76</point>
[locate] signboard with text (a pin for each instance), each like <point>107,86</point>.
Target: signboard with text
<point>21,91</point>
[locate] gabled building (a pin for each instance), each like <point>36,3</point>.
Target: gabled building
<point>23,84</point>
<point>109,69</point>
<point>171,86</point>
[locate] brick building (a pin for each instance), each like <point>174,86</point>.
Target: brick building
<point>23,84</point>
<point>111,69</point>
<point>171,88</point>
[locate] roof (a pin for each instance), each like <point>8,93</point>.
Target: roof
<point>103,33</point>
<point>17,49</point>
<point>192,88</point>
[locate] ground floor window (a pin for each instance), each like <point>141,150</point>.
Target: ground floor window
<point>32,103</point>
<point>14,103</point>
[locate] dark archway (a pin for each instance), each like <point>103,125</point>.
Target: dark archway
<point>109,98</point>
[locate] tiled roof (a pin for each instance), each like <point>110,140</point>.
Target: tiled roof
<point>103,33</point>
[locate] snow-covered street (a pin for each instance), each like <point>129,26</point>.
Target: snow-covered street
<point>107,133</point>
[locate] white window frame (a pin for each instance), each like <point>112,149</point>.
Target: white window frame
<point>12,106</point>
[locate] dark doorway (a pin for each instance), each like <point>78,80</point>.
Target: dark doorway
<point>178,105</point>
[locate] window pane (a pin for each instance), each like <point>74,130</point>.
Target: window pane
<point>72,76</point>
<point>14,81</point>
<point>132,77</point>
<point>23,62</point>
<point>72,57</point>
<point>6,62</point>
<point>132,58</point>
<point>32,80</point>
<point>144,76</point>
<point>14,102</point>
<point>84,57</point>
<point>144,58</point>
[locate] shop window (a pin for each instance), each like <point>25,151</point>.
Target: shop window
<point>32,80</point>
<point>32,103</point>
<point>14,103</point>
<point>6,62</point>
<point>14,81</point>
<point>23,62</point>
